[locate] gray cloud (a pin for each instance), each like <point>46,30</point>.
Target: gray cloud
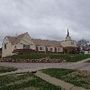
<point>46,19</point>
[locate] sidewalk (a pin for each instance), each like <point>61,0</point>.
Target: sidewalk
<point>85,60</point>
<point>57,82</point>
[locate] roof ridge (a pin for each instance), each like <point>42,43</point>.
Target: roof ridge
<point>16,39</point>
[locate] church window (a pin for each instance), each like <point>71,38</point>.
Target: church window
<point>15,47</point>
<point>5,46</point>
<point>51,49</point>
<point>26,46</point>
<point>41,48</point>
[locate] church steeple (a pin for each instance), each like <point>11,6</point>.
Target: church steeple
<point>68,35</point>
<point>67,32</point>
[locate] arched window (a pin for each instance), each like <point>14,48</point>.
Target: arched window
<point>51,49</point>
<point>5,46</point>
<point>15,47</point>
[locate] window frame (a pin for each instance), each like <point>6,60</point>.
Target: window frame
<point>5,46</point>
<point>26,46</point>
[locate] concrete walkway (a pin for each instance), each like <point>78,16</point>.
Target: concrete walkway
<point>57,82</point>
<point>83,61</point>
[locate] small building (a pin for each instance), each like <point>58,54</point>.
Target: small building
<point>69,45</point>
<point>86,51</point>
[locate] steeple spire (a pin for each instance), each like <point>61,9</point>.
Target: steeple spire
<point>67,32</point>
<point>68,35</point>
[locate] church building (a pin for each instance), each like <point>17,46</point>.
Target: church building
<point>13,44</point>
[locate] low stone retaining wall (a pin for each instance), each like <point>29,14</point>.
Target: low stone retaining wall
<point>42,60</point>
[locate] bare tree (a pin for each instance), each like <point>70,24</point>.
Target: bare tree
<point>83,43</point>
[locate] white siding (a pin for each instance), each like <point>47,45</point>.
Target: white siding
<point>59,49</point>
<point>8,50</point>
<point>69,43</point>
<point>27,41</point>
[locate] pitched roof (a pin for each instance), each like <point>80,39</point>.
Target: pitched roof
<point>37,42</point>
<point>40,42</point>
<point>15,40</point>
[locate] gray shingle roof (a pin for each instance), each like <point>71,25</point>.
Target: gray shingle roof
<point>15,40</point>
<point>39,42</point>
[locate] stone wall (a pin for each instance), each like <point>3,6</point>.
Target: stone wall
<point>42,60</point>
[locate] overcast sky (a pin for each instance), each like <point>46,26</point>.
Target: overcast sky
<point>45,19</point>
